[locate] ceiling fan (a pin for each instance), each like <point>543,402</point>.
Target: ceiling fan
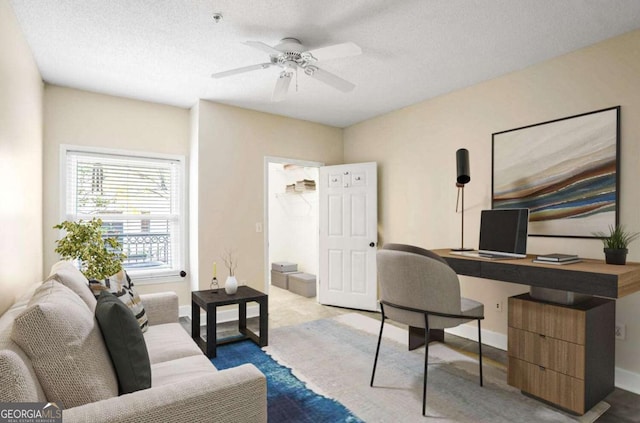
<point>290,55</point>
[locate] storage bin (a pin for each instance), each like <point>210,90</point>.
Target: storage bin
<point>284,266</point>
<point>281,279</point>
<point>303,284</point>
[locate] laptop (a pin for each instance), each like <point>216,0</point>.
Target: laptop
<point>503,234</point>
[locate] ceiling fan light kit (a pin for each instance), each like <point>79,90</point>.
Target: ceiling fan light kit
<point>282,86</point>
<point>290,55</point>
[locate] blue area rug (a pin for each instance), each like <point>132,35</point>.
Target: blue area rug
<point>288,399</point>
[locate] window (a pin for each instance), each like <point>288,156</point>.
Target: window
<point>140,200</point>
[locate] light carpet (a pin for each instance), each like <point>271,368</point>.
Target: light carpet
<point>335,357</point>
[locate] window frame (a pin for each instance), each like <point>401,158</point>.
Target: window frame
<point>142,276</point>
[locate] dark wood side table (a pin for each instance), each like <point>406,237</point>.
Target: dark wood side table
<point>209,300</point>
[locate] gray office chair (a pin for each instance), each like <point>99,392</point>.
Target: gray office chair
<point>418,288</point>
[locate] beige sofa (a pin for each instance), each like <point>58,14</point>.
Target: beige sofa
<point>185,386</point>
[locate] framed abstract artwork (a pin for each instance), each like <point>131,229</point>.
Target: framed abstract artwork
<point>565,171</point>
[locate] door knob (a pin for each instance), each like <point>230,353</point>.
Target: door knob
<point>372,244</point>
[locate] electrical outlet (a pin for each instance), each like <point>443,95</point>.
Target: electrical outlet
<point>621,331</point>
<point>258,227</point>
<point>499,306</point>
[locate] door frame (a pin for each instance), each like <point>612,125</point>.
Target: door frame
<point>265,225</point>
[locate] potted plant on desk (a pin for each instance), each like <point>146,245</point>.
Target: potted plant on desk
<point>615,243</point>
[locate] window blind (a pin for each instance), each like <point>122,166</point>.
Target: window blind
<point>139,200</point>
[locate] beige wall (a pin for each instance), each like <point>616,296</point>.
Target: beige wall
<point>232,145</point>
<point>82,118</point>
<point>415,148</point>
<point>20,162</point>
<point>226,148</point>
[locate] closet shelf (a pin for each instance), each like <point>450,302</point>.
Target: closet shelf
<point>296,193</point>
<point>288,201</point>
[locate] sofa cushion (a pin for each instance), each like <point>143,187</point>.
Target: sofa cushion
<point>14,358</point>
<point>121,286</point>
<point>66,273</point>
<point>22,300</point>
<point>125,343</point>
<point>169,341</point>
<point>170,372</point>
<point>18,385</point>
<point>62,338</point>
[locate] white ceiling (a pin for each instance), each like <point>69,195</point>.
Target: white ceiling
<point>164,50</point>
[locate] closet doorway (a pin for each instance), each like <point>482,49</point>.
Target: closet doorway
<point>291,215</point>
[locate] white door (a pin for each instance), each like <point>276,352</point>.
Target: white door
<point>348,236</point>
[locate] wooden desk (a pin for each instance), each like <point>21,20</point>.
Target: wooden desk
<point>563,354</point>
<point>592,277</point>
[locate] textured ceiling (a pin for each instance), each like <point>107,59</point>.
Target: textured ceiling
<point>164,50</point>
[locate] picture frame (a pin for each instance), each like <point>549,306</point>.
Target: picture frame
<point>565,171</point>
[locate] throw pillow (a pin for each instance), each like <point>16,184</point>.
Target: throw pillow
<point>121,286</point>
<point>62,338</point>
<point>125,343</point>
<point>67,274</point>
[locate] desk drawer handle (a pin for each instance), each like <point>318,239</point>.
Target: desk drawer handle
<point>542,336</point>
<point>542,368</point>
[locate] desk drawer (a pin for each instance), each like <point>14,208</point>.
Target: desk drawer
<point>565,323</point>
<point>561,356</point>
<point>527,315</point>
<point>559,322</point>
<point>563,390</point>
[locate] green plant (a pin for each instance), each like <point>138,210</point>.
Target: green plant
<point>99,257</point>
<point>618,237</point>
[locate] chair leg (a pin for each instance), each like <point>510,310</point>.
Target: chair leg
<point>480,350</point>
<point>426,364</point>
<point>375,361</point>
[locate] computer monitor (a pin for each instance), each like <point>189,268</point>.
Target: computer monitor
<point>504,231</point>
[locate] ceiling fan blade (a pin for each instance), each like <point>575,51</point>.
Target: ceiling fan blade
<point>335,51</point>
<point>282,86</point>
<point>262,46</point>
<point>241,70</point>
<point>329,79</point>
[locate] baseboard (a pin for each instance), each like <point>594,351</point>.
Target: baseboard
<point>184,311</point>
<point>493,339</point>
<point>629,381</point>
<point>624,379</point>
<point>223,315</point>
